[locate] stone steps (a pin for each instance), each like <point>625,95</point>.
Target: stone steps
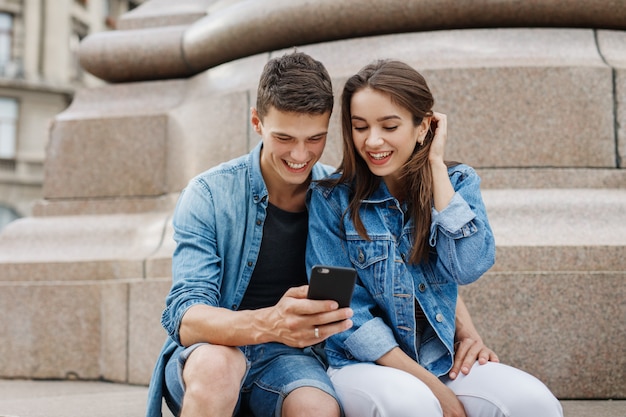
<point>28,398</point>
<point>553,304</point>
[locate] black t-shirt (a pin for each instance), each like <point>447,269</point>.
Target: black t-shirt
<point>281,261</point>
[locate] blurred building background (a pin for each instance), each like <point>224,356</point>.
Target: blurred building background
<point>39,73</point>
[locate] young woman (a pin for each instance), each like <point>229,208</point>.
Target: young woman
<point>414,227</point>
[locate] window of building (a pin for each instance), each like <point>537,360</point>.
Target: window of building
<point>79,31</point>
<point>6,39</point>
<point>7,215</point>
<point>8,127</point>
<point>134,3</point>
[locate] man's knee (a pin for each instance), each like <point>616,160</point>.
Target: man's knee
<point>310,401</point>
<point>215,367</point>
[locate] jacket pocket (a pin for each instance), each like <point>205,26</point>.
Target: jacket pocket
<point>370,259</point>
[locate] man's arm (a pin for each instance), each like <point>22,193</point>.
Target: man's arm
<point>292,322</point>
<point>469,346</point>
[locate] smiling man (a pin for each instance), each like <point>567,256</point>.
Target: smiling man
<point>239,323</point>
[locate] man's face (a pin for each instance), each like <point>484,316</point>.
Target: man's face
<point>292,144</point>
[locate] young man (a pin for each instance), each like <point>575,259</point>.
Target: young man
<point>240,326</point>
<point>239,322</point>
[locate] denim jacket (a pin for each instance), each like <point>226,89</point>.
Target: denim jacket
<point>463,249</point>
<point>218,228</point>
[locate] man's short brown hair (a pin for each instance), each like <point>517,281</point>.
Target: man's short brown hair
<point>295,83</point>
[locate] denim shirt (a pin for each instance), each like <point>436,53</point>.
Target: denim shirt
<point>218,228</point>
<point>463,248</point>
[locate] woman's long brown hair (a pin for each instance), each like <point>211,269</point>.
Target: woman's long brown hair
<point>407,88</point>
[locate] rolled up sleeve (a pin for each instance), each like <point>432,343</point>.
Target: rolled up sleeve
<point>371,341</point>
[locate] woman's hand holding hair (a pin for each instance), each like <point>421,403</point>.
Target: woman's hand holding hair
<point>440,136</point>
<point>442,187</point>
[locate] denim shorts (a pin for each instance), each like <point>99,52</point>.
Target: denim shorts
<point>274,370</point>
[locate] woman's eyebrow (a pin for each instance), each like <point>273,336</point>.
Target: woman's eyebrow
<point>380,119</point>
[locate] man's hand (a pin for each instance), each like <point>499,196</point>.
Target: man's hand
<point>294,320</point>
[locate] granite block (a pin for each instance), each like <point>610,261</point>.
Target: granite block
<point>114,330</point>
<point>158,13</point>
<point>111,142</point>
<point>209,129</point>
<point>529,178</point>
<point>54,330</point>
<point>566,328</point>
<point>462,49</point>
<point>159,264</point>
<point>107,157</point>
<point>611,45</point>
<point>79,247</point>
<point>106,206</point>
<point>557,217</point>
<point>146,335</point>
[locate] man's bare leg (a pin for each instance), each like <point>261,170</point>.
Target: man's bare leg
<point>212,376</point>
<point>310,402</point>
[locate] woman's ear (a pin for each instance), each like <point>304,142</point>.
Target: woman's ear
<point>422,130</point>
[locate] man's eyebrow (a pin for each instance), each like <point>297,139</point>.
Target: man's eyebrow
<point>319,134</point>
<point>287,135</point>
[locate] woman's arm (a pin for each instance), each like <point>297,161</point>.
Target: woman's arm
<point>369,337</point>
<point>460,229</point>
<point>442,187</point>
<point>450,404</point>
<point>469,346</point>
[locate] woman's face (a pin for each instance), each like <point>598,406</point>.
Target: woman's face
<point>383,133</point>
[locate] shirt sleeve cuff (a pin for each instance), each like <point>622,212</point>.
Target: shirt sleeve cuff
<point>371,341</point>
<point>451,219</point>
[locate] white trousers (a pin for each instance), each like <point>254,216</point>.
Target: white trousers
<point>490,390</point>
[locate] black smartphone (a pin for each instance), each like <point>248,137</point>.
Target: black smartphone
<point>332,283</point>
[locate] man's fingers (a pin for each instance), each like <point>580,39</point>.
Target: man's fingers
<point>297,292</point>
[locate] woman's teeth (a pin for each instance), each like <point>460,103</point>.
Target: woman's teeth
<point>380,155</point>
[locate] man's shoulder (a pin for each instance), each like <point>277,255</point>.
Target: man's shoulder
<point>321,171</point>
<point>231,170</point>
<point>330,189</point>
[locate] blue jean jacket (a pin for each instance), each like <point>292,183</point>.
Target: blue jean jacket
<point>387,285</point>
<point>218,228</point>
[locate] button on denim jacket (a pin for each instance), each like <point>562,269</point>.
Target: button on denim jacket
<point>218,228</point>
<point>463,248</point>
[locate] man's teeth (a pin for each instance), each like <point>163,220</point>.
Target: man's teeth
<point>296,166</point>
<point>380,155</point>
